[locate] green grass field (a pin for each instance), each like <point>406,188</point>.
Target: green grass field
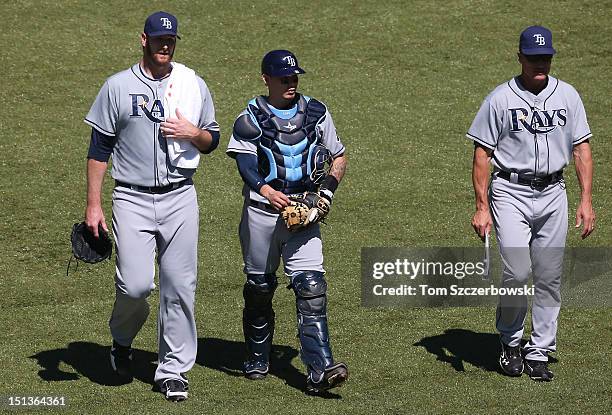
<point>403,80</point>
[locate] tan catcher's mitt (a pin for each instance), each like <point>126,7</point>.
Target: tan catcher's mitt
<point>305,209</point>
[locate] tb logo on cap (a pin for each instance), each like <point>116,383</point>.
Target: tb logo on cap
<point>539,39</point>
<point>289,59</point>
<point>167,23</point>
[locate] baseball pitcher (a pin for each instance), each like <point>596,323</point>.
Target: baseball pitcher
<point>154,119</point>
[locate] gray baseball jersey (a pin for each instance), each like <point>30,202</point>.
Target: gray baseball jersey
<point>130,106</point>
<point>531,134</point>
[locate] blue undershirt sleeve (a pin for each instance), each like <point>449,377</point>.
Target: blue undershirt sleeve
<point>215,142</point>
<point>247,166</point>
<point>101,146</point>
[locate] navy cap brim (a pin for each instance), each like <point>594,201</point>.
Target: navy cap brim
<point>538,51</point>
<point>162,33</point>
<point>290,70</point>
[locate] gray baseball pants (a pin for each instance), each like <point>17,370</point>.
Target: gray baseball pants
<point>264,238</point>
<point>144,224</point>
<point>531,227</point>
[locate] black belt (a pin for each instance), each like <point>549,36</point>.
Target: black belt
<point>153,189</point>
<point>535,182</point>
<point>263,206</point>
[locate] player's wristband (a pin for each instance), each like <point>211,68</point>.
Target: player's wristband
<point>328,187</point>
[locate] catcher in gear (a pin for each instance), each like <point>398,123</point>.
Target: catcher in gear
<point>291,161</point>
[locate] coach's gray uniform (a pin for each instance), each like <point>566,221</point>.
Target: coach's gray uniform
<point>531,136</point>
<point>263,234</point>
<point>130,107</point>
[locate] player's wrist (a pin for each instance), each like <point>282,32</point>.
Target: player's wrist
<point>266,191</point>
<point>197,136</point>
<point>93,205</point>
<point>328,188</point>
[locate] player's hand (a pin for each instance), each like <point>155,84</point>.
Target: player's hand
<point>585,216</point>
<point>277,199</point>
<point>482,222</point>
<point>179,128</point>
<point>94,216</point>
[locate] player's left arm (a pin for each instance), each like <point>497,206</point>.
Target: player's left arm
<point>585,215</point>
<point>330,139</point>
<point>338,167</point>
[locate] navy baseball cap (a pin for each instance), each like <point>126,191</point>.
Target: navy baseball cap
<point>536,40</point>
<point>161,24</point>
<point>280,63</point>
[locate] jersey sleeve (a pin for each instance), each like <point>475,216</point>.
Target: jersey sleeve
<point>207,116</point>
<point>329,136</point>
<point>104,112</point>
<point>240,144</point>
<point>487,125</point>
<point>581,131</point>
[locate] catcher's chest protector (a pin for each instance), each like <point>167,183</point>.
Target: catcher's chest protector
<point>285,145</point>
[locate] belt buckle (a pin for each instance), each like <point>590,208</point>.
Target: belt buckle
<point>538,183</point>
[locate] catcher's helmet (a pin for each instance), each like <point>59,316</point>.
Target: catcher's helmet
<point>280,63</point>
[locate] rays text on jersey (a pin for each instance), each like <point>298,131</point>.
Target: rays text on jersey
<point>540,122</point>
<point>140,102</point>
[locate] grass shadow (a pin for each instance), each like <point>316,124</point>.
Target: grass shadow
<point>91,360</point>
<point>228,356</point>
<point>457,346</point>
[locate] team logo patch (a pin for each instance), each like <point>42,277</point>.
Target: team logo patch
<point>140,102</point>
<point>539,39</point>
<point>290,127</point>
<point>289,59</point>
<point>167,23</point>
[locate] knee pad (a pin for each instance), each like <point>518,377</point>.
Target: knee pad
<point>310,290</point>
<point>259,290</point>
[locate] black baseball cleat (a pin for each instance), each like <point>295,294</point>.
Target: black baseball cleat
<point>510,360</point>
<point>538,370</point>
<point>121,360</point>
<point>175,390</point>
<point>333,377</point>
<point>255,370</point>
